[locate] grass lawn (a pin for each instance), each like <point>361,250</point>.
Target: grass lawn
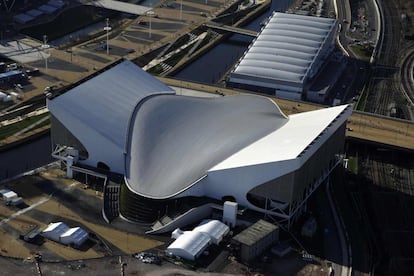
<point>9,130</point>
<point>362,52</point>
<point>85,16</point>
<point>353,165</point>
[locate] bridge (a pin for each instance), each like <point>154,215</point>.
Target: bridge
<point>361,126</point>
<point>120,6</point>
<point>232,29</point>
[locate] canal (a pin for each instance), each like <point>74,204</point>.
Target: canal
<point>25,157</point>
<point>213,65</point>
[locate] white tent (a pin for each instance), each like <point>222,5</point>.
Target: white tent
<point>215,229</point>
<point>75,236</point>
<point>2,96</point>
<point>54,230</point>
<point>189,245</point>
<point>60,232</point>
<point>176,233</point>
<point>8,195</point>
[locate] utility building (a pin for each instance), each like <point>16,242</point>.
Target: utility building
<point>254,240</point>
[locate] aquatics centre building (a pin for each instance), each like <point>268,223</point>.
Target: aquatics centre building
<point>177,156</point>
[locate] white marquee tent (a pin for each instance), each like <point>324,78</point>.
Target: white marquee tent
<point>189,245</point>
<point>215,229</point>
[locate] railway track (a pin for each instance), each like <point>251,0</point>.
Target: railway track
<point>407,77</point>
<point>382,91</point>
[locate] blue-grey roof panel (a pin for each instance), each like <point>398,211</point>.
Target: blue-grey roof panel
<point>107,101</point>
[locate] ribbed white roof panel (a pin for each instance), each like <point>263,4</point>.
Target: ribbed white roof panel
<point>279,58</point>
<point>293,40</point>
<point>280,44</point>
<point>301,28</point>
<point>290,68</point>
<point>272,73</point>
<point>280,32</point>
<point>259,49</point>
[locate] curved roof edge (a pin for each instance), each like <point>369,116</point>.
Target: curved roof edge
<point>171,134</point>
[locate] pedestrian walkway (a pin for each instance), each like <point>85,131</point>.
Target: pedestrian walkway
<point>120,6</point>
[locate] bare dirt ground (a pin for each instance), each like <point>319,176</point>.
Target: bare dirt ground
<point>50,198</point>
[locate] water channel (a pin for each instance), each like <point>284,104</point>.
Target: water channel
<point>212,66</point>
<point>209,68</point>
<point>25,157</point>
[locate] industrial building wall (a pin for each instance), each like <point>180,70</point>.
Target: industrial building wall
<point>280,88</point>
<point>293,187</point>
<point>62,136</point>
<point>91,140</point>
<point>279,189</point>
<point>317,164</point>
<point>237,182</point>
<point>248,253</point>
<point>323,53</point>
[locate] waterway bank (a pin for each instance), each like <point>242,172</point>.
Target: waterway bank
<point>10,142</point>
<point>27,155</point>
<point>220,58</point>
<point>251,14</point>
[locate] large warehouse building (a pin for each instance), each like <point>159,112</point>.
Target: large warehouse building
<point>288,52</point>
<point>178,154</point>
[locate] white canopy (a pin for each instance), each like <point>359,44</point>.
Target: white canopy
<point>189,245</point>
<point>215,229</point>
<point>74,235</point>
<point>54,230</point>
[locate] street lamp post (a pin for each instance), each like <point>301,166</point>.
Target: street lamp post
<point>107,28</point>
<point>71,48</point>
<point>181,10</point>
<point>45,46</point>
<point>150,14</point>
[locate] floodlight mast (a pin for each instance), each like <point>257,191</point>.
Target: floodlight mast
<point>107,28</point>
<point>150,14</point>
<point>45,46</point>
<point>181,10</point>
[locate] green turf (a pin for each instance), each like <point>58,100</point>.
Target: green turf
<point>9,130</point>
<point>85,16</point>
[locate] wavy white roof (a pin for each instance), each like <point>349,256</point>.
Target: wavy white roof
<point>286,48</point>
<point>174,140</point>
<point>167,142</point>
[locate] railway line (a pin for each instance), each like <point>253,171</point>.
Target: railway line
<point>407,77</point>
<point>383,93</point>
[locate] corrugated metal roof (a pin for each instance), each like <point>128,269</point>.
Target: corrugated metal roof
<point>298,38</point>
